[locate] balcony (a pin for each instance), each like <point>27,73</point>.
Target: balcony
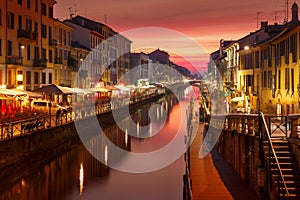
<point>40,62</point>
<point>58,60</point>
<point>26,36</point>
<point>52,42</point>
<point>14,60</point>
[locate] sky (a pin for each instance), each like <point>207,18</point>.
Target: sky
<point>204,21</point>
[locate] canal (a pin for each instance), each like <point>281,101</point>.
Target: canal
<point>76,174</point>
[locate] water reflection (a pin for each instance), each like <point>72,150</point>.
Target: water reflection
<point>81,179</point>
<point>60,178</point>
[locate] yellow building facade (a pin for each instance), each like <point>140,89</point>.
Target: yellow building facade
<point>26,27</point>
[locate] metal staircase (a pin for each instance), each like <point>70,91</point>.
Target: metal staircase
<point>283,176</point>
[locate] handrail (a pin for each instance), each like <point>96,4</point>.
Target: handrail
<point>274,153</point>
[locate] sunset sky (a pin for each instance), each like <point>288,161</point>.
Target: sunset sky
<point>205,21</point>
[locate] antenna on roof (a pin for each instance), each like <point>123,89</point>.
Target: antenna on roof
<point>71,13</point>
<point>105,19</point>
<point>75,9</point>
<point>257,21</point>
<point>286,18</point>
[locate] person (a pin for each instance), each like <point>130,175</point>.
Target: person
<point>58,113</point>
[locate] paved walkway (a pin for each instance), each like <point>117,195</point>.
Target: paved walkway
<point>212,178</point>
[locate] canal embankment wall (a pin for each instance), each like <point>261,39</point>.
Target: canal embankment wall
<point>241,152</point>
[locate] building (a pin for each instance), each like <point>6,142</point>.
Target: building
<point>140,66</point>
<point>26,29</point>
<point>263,67</point>
<point>79,53</point>
<point>109,58</point>
<point>60,46</point>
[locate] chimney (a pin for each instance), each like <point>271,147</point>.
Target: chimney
<point>221,46</point>
<point>263,25</point>
<point>294,13</point>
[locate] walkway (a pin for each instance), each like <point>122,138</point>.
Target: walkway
<point>212,178</point>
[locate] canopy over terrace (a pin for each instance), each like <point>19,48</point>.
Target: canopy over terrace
<point>57,93</point>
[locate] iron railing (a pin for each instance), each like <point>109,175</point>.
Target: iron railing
<point>272,154</point>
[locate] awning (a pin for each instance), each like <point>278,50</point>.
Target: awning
<point>122,87</point>
<point>54,89</point>
<point>33,94</point>
<point>100,89</point>
<point>12,92</point>
<point>238,99</point>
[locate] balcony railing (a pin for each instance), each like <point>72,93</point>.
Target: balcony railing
<point>40,62</point>
<point>26,34</point>
<point>52,42</point>
<point>58,60</point>
<point>14,60</point>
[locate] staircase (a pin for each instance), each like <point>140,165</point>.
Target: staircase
<point>288,165</point>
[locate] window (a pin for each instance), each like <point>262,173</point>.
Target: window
<point>36,5</point>
<point>51,12</point>
<point>269,56</point>
<point>50,78</point>
<point>44,9</point>
<point>43,78</point>
<point>50,56</point>
<point>287,79</point>
<point>36,78</point>
<point>0,16</point>
<point>28,3</point>
<point>20,2</point>
<point>28,77</point>
<point>265,79</point>
<point>20,74</point>
<point>10,20</point>
<point>292,80</point>
<point>28,52</point>
<point>9,48</point>
<point>44,53</point>
<point>270,79</point>
<point>65,37</point>
<point>28,24</point>
<point>44,31</point>
<point>20,22</point>
<point>279,79</point>
<point>50,33</point>
<point>36,27</point>
<point>36,53</point>
<point>65,55</point>
<point>60,35</point>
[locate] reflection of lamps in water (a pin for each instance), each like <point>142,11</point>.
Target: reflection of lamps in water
<point>105,155</point>
<point>81,179</point>
<point>126,137</point>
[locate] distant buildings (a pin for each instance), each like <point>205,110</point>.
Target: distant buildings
<point>156,66</point>
<point>263,68</point>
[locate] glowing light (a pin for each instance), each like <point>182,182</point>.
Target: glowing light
<point>22,47</point>
<point>126,137</point>
<point>106,154</point>
<point>137,128</point>
<point>20,77</point>
<point>81,179</point>
<point>20,87</point>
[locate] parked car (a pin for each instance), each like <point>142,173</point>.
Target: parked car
<point>47,107</point>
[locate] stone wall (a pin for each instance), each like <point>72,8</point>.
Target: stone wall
<point>241,151</point>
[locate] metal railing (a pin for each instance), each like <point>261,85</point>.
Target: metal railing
<point>280,178</point>
<point>13,129</point>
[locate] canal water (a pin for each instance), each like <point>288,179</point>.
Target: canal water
<point>76,174</point>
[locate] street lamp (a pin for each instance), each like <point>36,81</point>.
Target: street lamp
<point>247,48</point>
